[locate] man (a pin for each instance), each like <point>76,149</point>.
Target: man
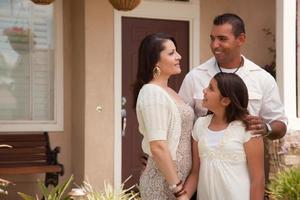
<point>227,36</point>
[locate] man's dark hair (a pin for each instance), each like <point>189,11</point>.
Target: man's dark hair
<point>235,21</point>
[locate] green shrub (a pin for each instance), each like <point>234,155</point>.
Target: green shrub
<point>285,185</point>
<point>50,194</point>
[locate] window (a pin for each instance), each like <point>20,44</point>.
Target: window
<point>28,67</point>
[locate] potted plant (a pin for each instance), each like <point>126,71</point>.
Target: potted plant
<point>50,194</point>
<point>42,2</point>
<point>125,5</point>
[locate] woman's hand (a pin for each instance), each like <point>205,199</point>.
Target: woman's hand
<point>183,197</point>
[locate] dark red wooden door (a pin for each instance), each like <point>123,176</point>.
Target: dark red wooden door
<point>133,31</point>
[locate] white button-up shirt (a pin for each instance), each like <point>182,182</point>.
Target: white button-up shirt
<point>264,99</point>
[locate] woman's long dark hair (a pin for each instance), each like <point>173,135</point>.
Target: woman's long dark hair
<point>148,56</point>
<point>233,87</point>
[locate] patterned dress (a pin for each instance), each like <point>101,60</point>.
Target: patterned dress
<point>153,185</point>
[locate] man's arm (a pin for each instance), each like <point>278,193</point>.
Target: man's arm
<point>271,112</point>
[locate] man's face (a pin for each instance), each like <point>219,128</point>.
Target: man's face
<point>224,45</point>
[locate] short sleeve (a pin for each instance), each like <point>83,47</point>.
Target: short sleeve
<point>247,136</point>
<point>199,127</point>
<point>195,132</point>
<point>154,110</point>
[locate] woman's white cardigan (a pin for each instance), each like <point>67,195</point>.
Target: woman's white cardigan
<point>158,117</point>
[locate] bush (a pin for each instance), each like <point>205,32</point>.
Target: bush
<point>285,185</point>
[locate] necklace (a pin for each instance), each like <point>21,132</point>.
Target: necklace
<point>241,64</point>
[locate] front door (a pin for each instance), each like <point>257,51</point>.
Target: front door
<point>133,31</point>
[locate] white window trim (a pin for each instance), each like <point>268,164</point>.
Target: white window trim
<point>57,123</point>
<point>189,11</point>
<point>286,59</point>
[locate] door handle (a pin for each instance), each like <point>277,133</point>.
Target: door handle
<point>123,116</point>
<point>124,119</point>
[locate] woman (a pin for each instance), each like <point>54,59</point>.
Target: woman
<point>164,119</point>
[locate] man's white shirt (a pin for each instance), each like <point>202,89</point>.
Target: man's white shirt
<point>264,99</point>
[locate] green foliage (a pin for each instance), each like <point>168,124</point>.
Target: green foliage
<point>286,185</point>
<point>50,194</point>
<point>3,184</point>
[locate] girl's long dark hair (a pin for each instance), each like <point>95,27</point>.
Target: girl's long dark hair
<point>233,87</point>
<point>148,56</point>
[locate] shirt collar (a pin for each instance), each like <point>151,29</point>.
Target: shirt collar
<point>212,67</point>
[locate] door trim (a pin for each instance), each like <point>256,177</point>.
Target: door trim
<point>156,10</point>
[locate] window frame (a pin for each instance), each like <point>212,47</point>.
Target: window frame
<point>57,123</point>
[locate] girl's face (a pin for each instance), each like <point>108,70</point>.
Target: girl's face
<point>213,100</point>
<point>169,62</point>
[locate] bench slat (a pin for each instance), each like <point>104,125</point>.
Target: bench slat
<point>21,137</point>
<point>28,157</point>
<point>30,170</point>
<point>16,144</point>
<point>21,151</point>
<point>24,164</point>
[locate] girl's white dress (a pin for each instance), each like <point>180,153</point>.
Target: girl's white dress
<point>223,170</point>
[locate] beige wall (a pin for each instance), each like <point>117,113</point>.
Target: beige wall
<point>99,69</point>
<point>76,46</point>
<point>256,15</point>
<point>90,74</point>
<point>91,47</point>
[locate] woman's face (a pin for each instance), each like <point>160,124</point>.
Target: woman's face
<point>169,62</point>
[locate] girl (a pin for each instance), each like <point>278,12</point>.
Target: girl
<point>228,160</point>
<point>165,121</point>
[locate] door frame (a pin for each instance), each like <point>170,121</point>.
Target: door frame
<point>187,11</point>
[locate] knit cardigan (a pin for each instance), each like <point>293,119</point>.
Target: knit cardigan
<point>158,117</point>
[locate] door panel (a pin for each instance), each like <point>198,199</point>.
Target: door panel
<point>133,31</point>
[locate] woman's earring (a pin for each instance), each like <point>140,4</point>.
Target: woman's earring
<point>156,72</point>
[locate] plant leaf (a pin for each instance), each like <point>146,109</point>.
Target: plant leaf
<point>43,188</point>
<point>26,196</point>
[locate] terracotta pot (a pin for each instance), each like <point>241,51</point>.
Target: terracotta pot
<point>125,5</point>
<point>42,2</point>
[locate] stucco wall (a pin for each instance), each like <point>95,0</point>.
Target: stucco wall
<point>256,15</point>
<point>99,90</point>
<point>77,71</point>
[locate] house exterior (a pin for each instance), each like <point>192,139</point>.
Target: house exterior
<point>89,37</point>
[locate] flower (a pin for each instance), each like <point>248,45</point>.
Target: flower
<point>16,32</point>
<point>18,37</point>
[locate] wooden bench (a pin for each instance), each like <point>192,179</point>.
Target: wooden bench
<point>30,153</point>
